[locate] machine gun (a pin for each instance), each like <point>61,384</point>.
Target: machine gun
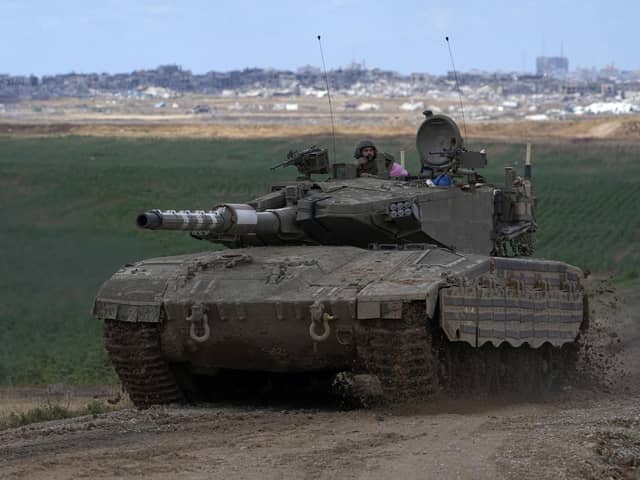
<point>460,158</point>
<point>308,161</point>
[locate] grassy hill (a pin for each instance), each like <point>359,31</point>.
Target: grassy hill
<point>67,210</point>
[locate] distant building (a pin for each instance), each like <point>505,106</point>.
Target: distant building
<point>552,66</point>
<point>608,90</point>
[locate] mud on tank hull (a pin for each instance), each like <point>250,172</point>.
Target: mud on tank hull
<point>404,321</point>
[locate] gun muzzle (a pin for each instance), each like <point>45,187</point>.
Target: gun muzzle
<point>149,220</point>
<point>182,220</point>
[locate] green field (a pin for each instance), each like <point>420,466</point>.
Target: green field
<point>67,210</point>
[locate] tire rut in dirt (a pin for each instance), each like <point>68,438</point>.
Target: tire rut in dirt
<point>134,350</point>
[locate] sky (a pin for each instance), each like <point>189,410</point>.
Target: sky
<point>48,37</point>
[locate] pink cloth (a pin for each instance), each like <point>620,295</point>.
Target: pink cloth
<point>398,170</point>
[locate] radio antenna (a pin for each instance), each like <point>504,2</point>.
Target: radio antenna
<point>326,80</point>
<point>455,75</point>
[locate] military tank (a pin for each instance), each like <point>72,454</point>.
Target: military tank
<point>396,287</point>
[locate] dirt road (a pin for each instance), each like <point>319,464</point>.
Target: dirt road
<point>615,129</point>
<point>560,438</point>
<point>575,433</point>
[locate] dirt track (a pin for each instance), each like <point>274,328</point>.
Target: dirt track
<point>589,438</point>
<point>618,129</point>
<point>574,433</point>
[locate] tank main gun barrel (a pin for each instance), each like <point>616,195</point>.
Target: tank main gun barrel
<point>211,221</point>
<point>229,219</point>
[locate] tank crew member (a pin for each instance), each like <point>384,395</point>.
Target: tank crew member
<point>367,161</point>
<point>365,155</point>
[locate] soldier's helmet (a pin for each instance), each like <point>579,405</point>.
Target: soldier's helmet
<point>362,144</point>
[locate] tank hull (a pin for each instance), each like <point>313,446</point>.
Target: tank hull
<point>297,309</point>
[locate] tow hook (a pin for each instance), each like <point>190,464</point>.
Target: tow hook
<point>199,318</point>
<point>319,318</point>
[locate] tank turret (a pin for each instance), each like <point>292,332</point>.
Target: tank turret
<point>464,214</point>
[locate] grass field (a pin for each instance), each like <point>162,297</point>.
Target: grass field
<point>67,210</point>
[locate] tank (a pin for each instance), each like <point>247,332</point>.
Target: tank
<point>392,287</point>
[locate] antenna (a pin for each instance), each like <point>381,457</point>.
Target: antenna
<point>455,75</point>
<point>326,80</point>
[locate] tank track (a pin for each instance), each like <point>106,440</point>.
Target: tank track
<point>398,352</point>
<point>412,358</point>
<point>463,369</point>
<point>134,350</point>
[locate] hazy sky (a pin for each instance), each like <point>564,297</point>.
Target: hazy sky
<point>45,37</point>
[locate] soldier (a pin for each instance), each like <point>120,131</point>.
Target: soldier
<point>365,155</point>
<point>367,161</point>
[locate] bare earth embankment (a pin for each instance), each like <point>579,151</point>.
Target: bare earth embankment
<point>615,129</point>
<point>585,432</point>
